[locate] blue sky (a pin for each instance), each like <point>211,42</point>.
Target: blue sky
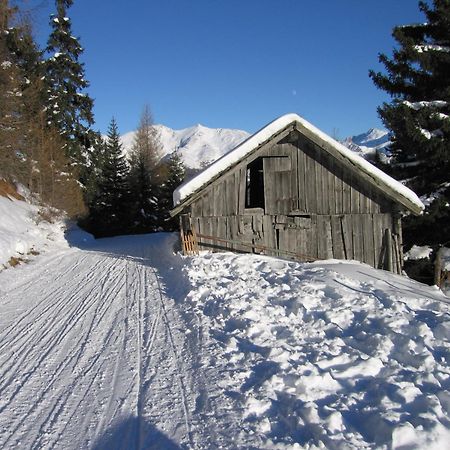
<point>234,63</point>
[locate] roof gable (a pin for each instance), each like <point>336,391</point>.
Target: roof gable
<point>390,187</point>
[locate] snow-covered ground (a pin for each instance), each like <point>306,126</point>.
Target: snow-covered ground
<point>325,355</point>
<point>121,343</point>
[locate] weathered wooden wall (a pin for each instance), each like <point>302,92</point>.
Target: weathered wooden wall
<point>315,206</point>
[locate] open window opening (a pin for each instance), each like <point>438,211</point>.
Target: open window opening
<point>254,192</point>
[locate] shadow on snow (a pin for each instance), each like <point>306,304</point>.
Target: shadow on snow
<point>133,433</point>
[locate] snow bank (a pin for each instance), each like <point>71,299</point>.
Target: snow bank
<point>22,231</point>
<point>253,142</point>
<point>324,355</point>
<point>418,252</point>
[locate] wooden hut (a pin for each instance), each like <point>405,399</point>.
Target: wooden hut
<point>292,191</point>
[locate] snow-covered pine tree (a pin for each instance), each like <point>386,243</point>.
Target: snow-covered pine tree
<point>10,99</point>
<point>418,79</point>
<point>69,108</point>
<point>109,209</point>
<point>20,100</point>
<point>176,172</point>
<point>144,176</point>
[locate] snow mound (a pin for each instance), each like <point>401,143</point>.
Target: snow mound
<point>324,355</point>
<point>23,231</point>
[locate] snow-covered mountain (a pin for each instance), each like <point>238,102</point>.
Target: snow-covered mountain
<point>368,143</point>
<point>198,145</point>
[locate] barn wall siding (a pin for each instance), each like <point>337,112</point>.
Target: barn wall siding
<point>315,207</point>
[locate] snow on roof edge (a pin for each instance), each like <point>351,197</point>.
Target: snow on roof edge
<point>261,136</point>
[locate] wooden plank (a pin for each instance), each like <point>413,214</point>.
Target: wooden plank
<point>325,189</point>
<point>397,222</point>
<point>270,206</point>
<point>368,244</point>
<point>357,238</point>
<point>301,189</point>
<point>269,233</point>
<point>311,195</point>
<point>346,194</point>
<point>378,230</point>
<point>258,223</point>
<point>365,202</point>
<point>293,152</point>
<point>242,180</point>
<point>338,190</point>
<point>331,189</point>
<point>354,200</point>
<point>230,195</point>
<point>327,237</point>
<point>303,232</point>
<point>388,243</point>
<point>318,183</point>
<point>218,196</point>
<point>283,239</point>
<point>337,237</point>
<point>234,231</point>
<point>347,233</point>
<point>221,227</point>
<point>206,203</point>
<point>196,207</point>
<point>236,185</point>
<point>312,238</point>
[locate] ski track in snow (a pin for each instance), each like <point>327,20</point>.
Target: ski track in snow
<point>93,354</point>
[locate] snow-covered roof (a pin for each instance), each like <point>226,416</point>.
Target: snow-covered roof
<point>400,192</point>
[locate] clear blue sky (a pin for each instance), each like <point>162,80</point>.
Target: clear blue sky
<point>234,63</point>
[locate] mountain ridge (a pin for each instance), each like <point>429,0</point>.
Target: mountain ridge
<point>200,145</point>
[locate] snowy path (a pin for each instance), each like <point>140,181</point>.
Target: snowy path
<point>93,353</point>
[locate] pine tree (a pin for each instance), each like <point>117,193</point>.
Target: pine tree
<point>418,79</point>
<point>19,75</point>
<point>144,176</point>
<point>69,108</point>
<point>176,172</point>
<point>108,209</point>
<point>10,100</point>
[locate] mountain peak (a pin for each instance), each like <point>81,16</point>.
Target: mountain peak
<point>197,145</point>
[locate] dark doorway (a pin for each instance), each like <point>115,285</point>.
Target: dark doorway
<point>254,188</point>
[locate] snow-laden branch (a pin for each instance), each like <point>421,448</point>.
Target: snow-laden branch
<point>431,47</point>
<point>426,104</point>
